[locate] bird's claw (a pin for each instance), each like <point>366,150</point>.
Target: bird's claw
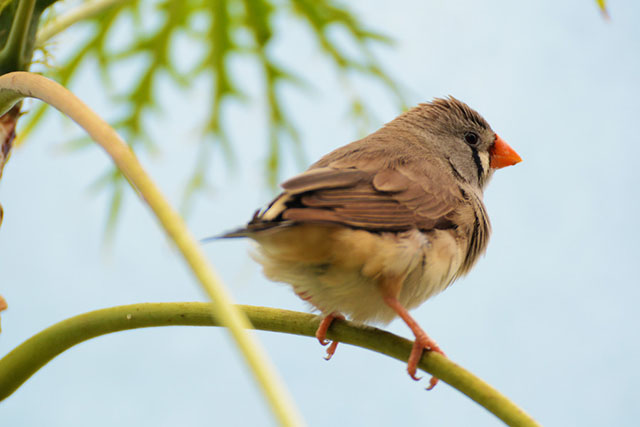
<point>321,334</point>
<point>432,383</point>
<point>331,350</point>
<point>420,344</point>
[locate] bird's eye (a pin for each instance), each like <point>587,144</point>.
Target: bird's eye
<point>471,138</point>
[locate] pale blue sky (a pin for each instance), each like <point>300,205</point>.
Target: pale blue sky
<point>549,316</point>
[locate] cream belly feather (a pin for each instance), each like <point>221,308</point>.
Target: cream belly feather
<point>337,269</point>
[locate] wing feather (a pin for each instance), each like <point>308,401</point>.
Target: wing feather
<point>382,199</point>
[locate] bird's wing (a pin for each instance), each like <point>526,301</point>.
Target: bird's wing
<point>386,199</point>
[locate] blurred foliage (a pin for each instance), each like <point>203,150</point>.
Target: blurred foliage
<point>602,4</point>
<point>222,29</point>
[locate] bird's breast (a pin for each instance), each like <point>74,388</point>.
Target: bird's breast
<point>338,269</point>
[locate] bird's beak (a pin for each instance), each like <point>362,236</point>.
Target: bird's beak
<point>502,155</point>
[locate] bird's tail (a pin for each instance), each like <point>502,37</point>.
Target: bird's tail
<point>240,232</point>
<point>255,227</point>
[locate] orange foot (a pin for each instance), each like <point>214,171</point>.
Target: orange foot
<point>321,333</point>
<point>422,342</point>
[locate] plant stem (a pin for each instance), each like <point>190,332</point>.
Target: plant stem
<point>17,366</point>
<point>86,10</point>
<point>22,84</point>
<point>13,53</point>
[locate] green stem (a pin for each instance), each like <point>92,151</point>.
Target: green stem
<point>21,84</point>
<point>17,366</point>
<point>12,55</point>
<point>86,10</point>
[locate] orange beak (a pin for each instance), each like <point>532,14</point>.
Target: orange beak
<point>502,155</point>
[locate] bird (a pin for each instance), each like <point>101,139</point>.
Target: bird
<point>376,227</point>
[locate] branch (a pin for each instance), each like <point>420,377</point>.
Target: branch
<point>17,366</point>
<point>16,85</point>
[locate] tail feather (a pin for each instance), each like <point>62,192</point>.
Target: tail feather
<point>256,225</point>
<point>240,232</point>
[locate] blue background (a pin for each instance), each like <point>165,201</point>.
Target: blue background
<point>549,316</point>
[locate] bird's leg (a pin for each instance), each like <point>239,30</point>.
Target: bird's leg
<point>390,288</point>
<point>422,342</point>
<point>321,333</point>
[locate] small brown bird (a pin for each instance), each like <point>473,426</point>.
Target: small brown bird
<point>375,228</point>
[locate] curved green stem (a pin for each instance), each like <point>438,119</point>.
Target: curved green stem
<point>84,11</point>
<point>17,366</point>
<point>16,85</point>
<point>13,53</point>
